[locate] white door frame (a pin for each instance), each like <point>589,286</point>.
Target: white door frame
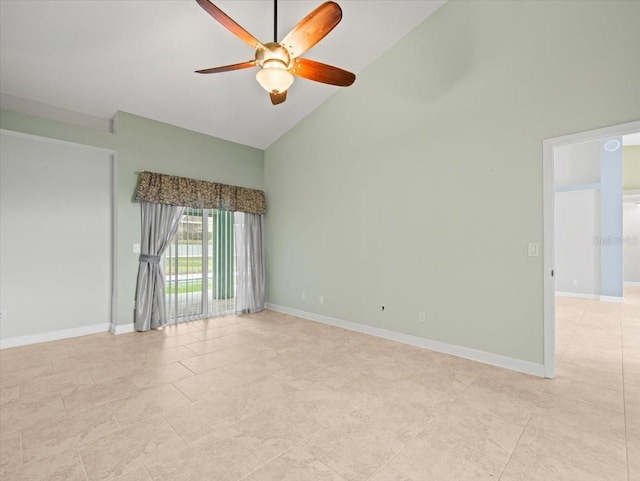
<point>549,146</point>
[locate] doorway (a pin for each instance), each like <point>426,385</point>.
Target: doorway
<point>550,148</point>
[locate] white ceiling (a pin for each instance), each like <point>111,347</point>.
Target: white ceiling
<point>100,56</point>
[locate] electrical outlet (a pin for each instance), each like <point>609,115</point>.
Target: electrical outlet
<point>575,282</point>
<point>303,296</point>
<point>3,315</point>
<point>422,316</point>
<point>321,299</point>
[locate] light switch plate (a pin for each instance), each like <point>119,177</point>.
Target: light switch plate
<point>534,249</point>
<point>136,248</point>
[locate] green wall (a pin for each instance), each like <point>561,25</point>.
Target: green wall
<point>631,167</point>
<point>421,186</point>
<point>144,144</point>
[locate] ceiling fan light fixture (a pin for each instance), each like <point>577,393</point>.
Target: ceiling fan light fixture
<point>274,76</point>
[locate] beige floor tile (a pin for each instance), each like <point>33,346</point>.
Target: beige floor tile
<point>388,474</point>
<point>157,376</point>
<point>98,394</point>
<point>327,377</point>
<point>66,432</point>
<point>273,431</point>
<point>19,375</point>
<point>55,383</point>
<point>9,394</point>
<point>169,342</point>
<point>180,329</point>
<point>294,465</point>
<point>210,345</point>
<point>509,395</point>
<point>597,377</point>
<point>188,463</point>
<point>146,403</point>
<point>352,449</point>
<point>10,456</point>
<point>554,410</point>
<point>583,357</point>
<point>483,441</point>
<point>589,393</point>
<point>139,474</point>
<point>254,369</point>
<point>236,459</point>
<point>558,453</point>
<point>399,419</point>
<point>219,332</point>
<point>632,417</point>
<point>24,414</point>
<point>204,417</point>
<point>157,357</point>
<point>208,362</point>
<point>65,466</point>
<point>263,393</point>
<point>129,448</point>
<point>321,402</point>
<point>249,351</point>
<point>210,383</point>
<point>632,394</point>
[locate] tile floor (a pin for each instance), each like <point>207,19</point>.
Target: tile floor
<point>271,397</point>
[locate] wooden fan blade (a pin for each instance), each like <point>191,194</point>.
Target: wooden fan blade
<point>313,28</point>
<point>320,72</point>
<point>227,68</point>
<point>229,24</point>
<point>278,98</point>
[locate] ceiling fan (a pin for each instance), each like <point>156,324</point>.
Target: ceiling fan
<point>280,61</point>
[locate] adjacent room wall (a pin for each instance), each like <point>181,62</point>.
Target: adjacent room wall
<point>631,167</point>
<point>420,187</point>
<point>55,239</point>
<point>144,144</point>
<point>577,255</point>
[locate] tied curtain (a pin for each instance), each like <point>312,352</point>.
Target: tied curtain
<point>163,201</point>
<point>159,225</point>
<point>250,296</point>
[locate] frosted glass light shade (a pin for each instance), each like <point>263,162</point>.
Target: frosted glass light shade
<point>274,77</point>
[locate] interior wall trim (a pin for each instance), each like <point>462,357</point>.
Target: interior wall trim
<point>122,328</point>
<point>498,360</point>
<point>54,335</point>
<point>579,295</point>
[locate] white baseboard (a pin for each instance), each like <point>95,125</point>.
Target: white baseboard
<point>465,352</point>
<point>593,297</point>
<point>578,295</point>
<point>610,299</point>
<point>54,335</point>
<point>122,328</point>
<point>631,284</point>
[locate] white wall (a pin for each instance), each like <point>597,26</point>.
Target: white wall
<point>55,239</point>
<point>577,256</point>
<point>631,234</point>
<point>577,164</point>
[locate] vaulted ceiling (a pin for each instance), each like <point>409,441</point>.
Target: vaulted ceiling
<point>100,56</point>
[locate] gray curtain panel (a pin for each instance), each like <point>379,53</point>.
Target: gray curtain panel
<point>249,234</point>
<point>159,225</point>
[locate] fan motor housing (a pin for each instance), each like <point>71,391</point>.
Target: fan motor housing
<point>273,51</point>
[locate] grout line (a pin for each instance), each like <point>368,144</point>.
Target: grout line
<point>526,425</point>
<point>84,469</point>
<point>624,400</point>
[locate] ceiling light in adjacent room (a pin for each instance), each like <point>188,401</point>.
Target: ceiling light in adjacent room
<point>612,145</point>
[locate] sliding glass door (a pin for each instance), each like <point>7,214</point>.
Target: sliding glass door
<point>200,266</point>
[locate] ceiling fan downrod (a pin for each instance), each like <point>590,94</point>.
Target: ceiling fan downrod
<point>275,21</point>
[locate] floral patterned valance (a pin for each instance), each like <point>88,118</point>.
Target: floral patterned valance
<point>201,194</point>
